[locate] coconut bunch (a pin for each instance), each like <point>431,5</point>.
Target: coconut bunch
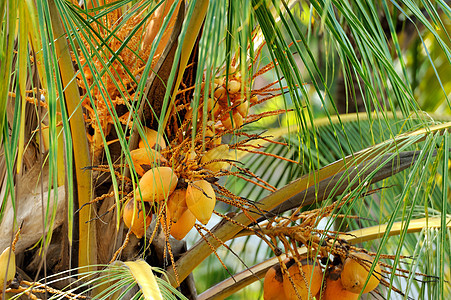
<point>346,280</point>
<point>228,103</point>
<point>231,97</point>
<point>181,209</point>
<point>331,269</point>
<point>178,183</point>
<point>165,189</point>
<point>293,279</point>
<point>303,278</point>
<point>193,166</point>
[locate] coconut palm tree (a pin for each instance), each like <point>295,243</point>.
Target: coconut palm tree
<point>187,148</point>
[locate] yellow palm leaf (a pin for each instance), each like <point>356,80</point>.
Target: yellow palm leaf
<point>143,275</point>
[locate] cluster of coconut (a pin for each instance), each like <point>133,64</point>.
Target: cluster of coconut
<point>228,102</point>
<point>344,281</point>
<point>158,184</point>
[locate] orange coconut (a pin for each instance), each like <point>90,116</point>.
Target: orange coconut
<point>253,99</point>
<point>177,204</point>
<point>334,289</point>
<point>183,225</point>
<point>273,284</point>
<point>145,158</point>
<point>134,218</point>
<point>355,273</point>
<point>201,200</point>
<point>151,139</point>
<point>178,214</point>
<point>311,274</point>
<point>156,184</point>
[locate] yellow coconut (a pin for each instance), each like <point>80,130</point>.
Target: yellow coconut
<point>355,273</point>
<point>201,200</point>
<point>134,218</point>
<point>243,108</point>
<point>310,274</point>
<point>220,93</point>
<point>220,152</point>
<point>145,159</point>
<point>219,81</point>
<point>156,184</point>
<point>213,107</point>
<point>237,120</point>
<point>151,139</point>
<point>210,135</point>
<point>233,86</point>
<point>7,261</point>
